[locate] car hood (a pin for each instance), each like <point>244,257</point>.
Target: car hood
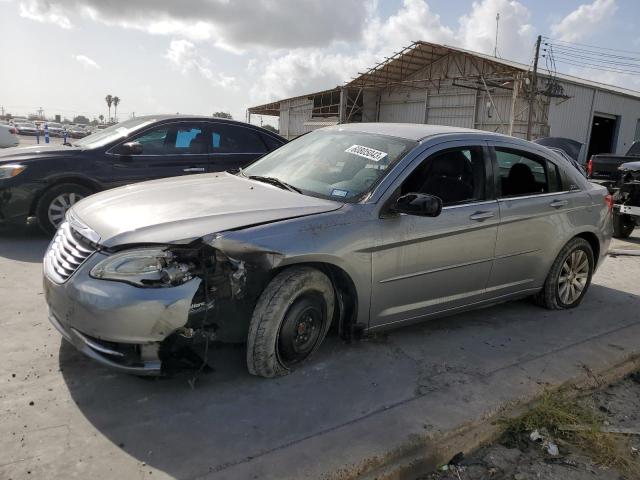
<point>630,167</point>
<point>189,207</point>
<point>35,152</point>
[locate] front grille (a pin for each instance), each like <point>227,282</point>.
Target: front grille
<point>67,251</point>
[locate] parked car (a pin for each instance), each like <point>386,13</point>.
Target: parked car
<point>361,226</point>
<point>566,147</point>
<point>50,179</point>
<point>26,128</point>
<point>78,131</point>
<point>55,129</point>
<point>8,138</point>
<point>604,166</point>
<point>626,194</point>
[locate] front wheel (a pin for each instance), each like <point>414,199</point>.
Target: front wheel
<point>623,225</point>
<point>569,277</point>
<point>55,202</point>
<point>290,320</point>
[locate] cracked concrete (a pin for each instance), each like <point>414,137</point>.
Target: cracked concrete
<point>351,411</point>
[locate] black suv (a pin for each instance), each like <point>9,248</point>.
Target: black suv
<point>44,181</point>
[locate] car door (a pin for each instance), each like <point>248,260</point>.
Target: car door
<point>424,265</point>
<point>167,150</point>
<point>234,146</point>
<point>534,210</point>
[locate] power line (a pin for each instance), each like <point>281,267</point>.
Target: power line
<point>559,42</point>
<point>598,68</point>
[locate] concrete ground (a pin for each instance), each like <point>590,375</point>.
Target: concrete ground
<point>353,408</point>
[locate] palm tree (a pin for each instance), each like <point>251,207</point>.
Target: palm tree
<point>101,117</point>
<point>109,100</point>
<point>116,101</point>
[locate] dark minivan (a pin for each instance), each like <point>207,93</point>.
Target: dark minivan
<point>44,181</point>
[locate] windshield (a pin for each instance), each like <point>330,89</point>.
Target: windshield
<point>332,164</point>
<point>114,132</point>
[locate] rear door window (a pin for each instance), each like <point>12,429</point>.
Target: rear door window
<point>521,173</point>
<point>271,142</point>
<point>227,138</point>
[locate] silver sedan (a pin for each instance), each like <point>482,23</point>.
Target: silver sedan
<point>361,226</point>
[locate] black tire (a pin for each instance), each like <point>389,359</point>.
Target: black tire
<point>45,202</point>
<point>297,298</point>
<point>623,225</point>
<point>550,295</point>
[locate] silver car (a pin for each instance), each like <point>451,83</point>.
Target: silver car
<point>362,226</point>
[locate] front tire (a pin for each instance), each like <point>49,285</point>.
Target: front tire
<point>290,320</point>
<point>623,225</point>
<point>55,202</point>
<point>569,277</point>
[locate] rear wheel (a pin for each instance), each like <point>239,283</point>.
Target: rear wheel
<point>569,277</point>
<point>55,202</point>
<point>291,318</point>
<point>623,225</point>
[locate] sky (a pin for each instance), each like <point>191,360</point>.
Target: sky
<point>205,56</point>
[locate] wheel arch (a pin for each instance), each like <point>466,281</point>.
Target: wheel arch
<point>346,305</point>
<point>76,179</point>
<point>593,240</point>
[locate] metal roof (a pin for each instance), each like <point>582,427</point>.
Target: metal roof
<point>397,70</point>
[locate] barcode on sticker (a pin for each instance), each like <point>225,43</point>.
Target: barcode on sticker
<point>366,152</point>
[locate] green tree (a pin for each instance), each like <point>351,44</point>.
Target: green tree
<point>223,115</point>
<point>109,100</point>
<point>80,119</point>
<point>116,102</point>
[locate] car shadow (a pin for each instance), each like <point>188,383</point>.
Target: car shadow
<point>23,243</point>
<point>228,417</point>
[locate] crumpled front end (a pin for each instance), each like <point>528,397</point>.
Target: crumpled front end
<point>199,295</point>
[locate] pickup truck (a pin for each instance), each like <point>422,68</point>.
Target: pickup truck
<point>621,175</point>
<point>604,166</point>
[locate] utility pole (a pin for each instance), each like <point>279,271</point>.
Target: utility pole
<point>495,50</point>
<point>533,90</point>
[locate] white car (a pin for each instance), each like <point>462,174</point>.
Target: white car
<point>8,136</point>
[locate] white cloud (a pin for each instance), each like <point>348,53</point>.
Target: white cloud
<point>477,29</point>
<point>87,62</point>
<point>583,20</point>
<point>303,70</point>
<point>229,24</point>
<point>45,12</point>
<point>184,55</point>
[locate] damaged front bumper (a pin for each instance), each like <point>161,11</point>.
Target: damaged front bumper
<point>117,324</point>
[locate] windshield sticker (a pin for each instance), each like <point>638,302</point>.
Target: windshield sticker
<point>366,152</point>
<point>339,193</point>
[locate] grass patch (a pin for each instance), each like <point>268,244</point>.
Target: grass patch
<point>555,411</point>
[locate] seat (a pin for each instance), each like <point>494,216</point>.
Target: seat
<point>198,144</point>
<point>450,177</point>
<point>520,180</point>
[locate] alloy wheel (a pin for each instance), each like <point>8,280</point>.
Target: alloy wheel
<point>59,206</point>
<point>573,277</point>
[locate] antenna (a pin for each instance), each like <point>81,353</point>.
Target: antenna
<point>495,50</point>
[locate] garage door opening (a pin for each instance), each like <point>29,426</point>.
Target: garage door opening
<point>603,132</point>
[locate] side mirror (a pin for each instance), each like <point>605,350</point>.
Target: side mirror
<point>131,148</point>
<point>418,204</point>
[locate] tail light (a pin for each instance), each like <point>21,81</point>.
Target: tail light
<point>590,167</point>
<point>608,200</point>
<point>13,131</point>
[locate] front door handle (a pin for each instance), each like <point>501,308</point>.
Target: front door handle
<point>558,203</point>
<point>480,216</point>
<point>193,170</point>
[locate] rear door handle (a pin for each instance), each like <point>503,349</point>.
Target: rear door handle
<point>558,203</point>
<point>193,169</point>
<point>480,216</point>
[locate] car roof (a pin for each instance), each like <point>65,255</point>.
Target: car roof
<point>164,117</point>
<point>411,131</point>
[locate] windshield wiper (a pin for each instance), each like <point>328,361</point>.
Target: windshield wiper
<point>274,181</point>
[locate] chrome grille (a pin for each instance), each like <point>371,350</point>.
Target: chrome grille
<point>67,251</point>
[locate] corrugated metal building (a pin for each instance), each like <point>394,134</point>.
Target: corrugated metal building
<point>443,85</point>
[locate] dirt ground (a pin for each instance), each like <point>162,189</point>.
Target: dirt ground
<point>616,408</point>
